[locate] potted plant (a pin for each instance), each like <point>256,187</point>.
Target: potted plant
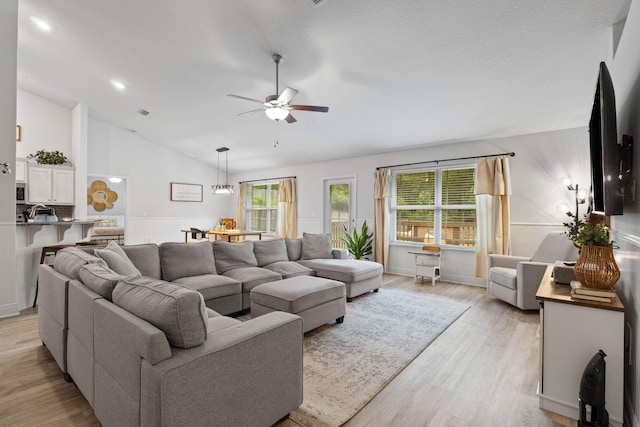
<point>596,266</point>
<point>359,246</point>
<point>43,157</point>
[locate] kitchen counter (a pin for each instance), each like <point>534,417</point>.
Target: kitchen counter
<point>31,237</point>
<point>56,223</point>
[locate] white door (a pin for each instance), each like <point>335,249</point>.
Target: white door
<point>339,208</point>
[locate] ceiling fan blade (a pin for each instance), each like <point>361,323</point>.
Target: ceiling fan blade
<point>310,108</point>
<point>246,99</point>
<point>290,119</point>
<point>251,111</point>
<point>287,95</point>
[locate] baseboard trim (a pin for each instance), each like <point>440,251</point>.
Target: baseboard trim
<point>9,310</point>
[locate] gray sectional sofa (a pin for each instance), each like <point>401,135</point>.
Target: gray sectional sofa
<point>101,316</point>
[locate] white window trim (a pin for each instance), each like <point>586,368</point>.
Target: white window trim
<point>437,207</point>
<point>248,209</point>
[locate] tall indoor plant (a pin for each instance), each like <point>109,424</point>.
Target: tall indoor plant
<point>360,246</point>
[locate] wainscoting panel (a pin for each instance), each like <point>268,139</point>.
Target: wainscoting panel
<point>163,229</point>
<point>458,265</point>
<point>525,238</point>
<point>8,294</point>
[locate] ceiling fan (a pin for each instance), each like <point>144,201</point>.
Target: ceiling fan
<point>277,107</point>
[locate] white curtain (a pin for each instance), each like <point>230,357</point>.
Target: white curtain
<point>381,216</point>
<point>492,188</point>
<point>287,209</point>
<point>242,196</point>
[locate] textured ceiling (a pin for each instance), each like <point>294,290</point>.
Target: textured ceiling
<point>395,74</point>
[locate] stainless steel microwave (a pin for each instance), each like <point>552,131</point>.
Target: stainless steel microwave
<point>21,192</point>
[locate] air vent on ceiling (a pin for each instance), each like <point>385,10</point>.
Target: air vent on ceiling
<point>142,111</point>
<point>317,3</point>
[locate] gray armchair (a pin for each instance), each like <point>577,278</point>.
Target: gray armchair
<point>516,279</point>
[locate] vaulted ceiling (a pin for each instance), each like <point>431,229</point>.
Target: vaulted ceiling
<point>395,74</point>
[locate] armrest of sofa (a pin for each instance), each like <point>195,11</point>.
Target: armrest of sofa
<point>505,261</point>
<point>52,293</point>
<point>246,374</point>
<point>529,275</point>
<point>340,253</point>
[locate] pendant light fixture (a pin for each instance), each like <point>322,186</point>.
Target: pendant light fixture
<point>225,189</point>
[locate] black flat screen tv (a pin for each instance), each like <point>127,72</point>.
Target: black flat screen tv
<point>606,194</point>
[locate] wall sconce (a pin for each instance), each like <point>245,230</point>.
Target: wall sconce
<point>5,168</point>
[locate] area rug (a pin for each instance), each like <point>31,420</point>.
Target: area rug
<point>346,365</point>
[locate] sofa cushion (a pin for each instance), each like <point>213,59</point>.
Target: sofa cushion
<point>69,260</point>
<point>506,277</point>
<point>211,285</point>
<point>215,324</point>
<point>117,259</point>
<point>146,258</point>
<point>230,256</point>
<point>178,311</point>
<point>99,278</point>
<point>289,269</point>
<point>270,251</point>
<point>344,270</point>
<point>294,248</point>
<point>316,246</point>
<point>252,276</point>
<point>186,260</point>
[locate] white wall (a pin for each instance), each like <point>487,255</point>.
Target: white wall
<point>541,160</point>
<point>625,72</point>
<point>45,125</point>
<point>9,54</point>
<point>149,170</point>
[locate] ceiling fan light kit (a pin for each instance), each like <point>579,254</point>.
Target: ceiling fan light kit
<point>277,107</point>
<point>225,189</point>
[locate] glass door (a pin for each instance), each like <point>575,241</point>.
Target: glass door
<point>339,207</point>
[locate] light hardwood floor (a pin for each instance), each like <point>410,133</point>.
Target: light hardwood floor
<point>482,371</point>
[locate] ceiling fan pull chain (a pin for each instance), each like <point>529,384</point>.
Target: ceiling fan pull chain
<point>277,139</point>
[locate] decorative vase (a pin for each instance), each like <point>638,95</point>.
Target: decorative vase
<point>596,267</point>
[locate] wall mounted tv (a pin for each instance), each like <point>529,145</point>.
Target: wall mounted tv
<point>605,151</point>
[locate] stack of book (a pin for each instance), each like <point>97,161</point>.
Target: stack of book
<point>581,292</point>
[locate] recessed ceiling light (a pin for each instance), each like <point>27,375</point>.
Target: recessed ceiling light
<point>115,179</point>
<point>118,85</point>
<point>44,26</point>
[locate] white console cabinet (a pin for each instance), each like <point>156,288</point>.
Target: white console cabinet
<point>572,332</point>
<point>50,185</point>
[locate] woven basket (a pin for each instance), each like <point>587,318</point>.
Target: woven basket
<point>596,267</point>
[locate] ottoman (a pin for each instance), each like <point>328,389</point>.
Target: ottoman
<point>315,299</point>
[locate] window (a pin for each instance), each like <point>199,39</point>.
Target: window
<point>262,208</point>
<point>434,206</point>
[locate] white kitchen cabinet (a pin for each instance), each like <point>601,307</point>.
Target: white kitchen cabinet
<point>50,185</point>
<point>21,170</point>
<point>572,332</point>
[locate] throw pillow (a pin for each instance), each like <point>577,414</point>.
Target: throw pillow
<point>69,260</point>
<point>294,248</point>
<point>99,278</point>
<point>230,256</point>
<point>316,246</point>
<point>177,311</point>
<point>185,260</point>
<point>117,260</point>
<point>270,251</point>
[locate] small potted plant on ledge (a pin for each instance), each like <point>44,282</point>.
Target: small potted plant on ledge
<point>43,157</point>
<point>359,246</point>
<point>596,266</point>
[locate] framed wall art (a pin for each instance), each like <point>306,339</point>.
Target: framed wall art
<point>181,192</point>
